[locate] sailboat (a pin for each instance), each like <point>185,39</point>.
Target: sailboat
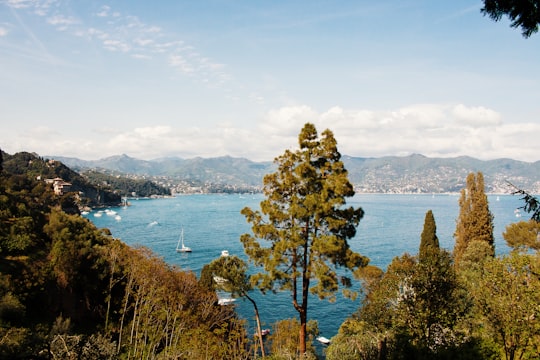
<point>182,248</point>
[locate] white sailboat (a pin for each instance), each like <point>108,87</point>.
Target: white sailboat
<point>180,247</point>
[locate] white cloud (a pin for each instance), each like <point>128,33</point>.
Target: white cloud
<point>104,12</point>
<point>477,116</point>
<point>20,4</point>
<point>39,7</point>
<point>362,133</point>
<point>62,23</point>
<point>179,62</point>
<point>116,45</point>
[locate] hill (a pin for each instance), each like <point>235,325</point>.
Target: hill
<point>69,290</point>
<point>392,174</point>
<point>92,188</point>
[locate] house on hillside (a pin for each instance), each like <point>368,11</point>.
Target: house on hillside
<point>59,185</point>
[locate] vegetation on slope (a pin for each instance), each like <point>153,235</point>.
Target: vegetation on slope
<point>70,291</point>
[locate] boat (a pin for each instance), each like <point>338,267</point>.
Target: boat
<point>182,248</point>
<point>224,253</point>
<point>264,332</point>
<point>323,340</point>
<point>226,301</point>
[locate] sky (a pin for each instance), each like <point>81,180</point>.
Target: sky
<point>177,78</point>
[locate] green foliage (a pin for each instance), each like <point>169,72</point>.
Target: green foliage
<point>532,205</point>
<point>305,220</point>
<point>284,340</point>
<point>524,235</point>
<point>428,239</point>
<point>413,311</point>
<point>522,14</point>
<point>229,273</point>
<point>357,340</point>
<point>507,294</point>
<point>233,274</point>
<point>69,290</point>
<point>125,186</point>
<point>165,312</point>
<point>475,220</point>
<point>30,167</point>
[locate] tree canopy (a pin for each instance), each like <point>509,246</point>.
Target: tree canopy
<point>522,14</point>
<point>475,220</point>
<point>428,239</point>
<point>306,223</point>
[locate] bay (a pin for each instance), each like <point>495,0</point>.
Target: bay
<point>391,226</point>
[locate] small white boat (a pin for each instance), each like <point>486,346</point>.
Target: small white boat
<point>264,332</point>
<point>117,218</point>
<point>323,340</point>
<point>180,247</point>
<point>226,301</point>
<point>224,252</point>
<point>110,212</point>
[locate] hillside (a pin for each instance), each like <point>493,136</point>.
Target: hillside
<point>69,290</point>
<point>392,174</point>
<point>92,188</point>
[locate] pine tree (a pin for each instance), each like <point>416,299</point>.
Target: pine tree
<point>428,239</point>
<point>305,220</point>
<point>475,221</point>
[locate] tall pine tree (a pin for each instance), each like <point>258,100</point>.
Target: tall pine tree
<point>475,221</point>
<point>305,222</point>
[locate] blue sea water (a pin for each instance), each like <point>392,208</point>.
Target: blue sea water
<point>391,226</point>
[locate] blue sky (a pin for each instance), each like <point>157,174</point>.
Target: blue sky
<point>91,79</point>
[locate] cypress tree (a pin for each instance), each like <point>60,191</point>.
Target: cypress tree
<point>475,221</point>
<point>428,239</point>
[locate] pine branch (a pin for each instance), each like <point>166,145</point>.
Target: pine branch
<point>532,204</point>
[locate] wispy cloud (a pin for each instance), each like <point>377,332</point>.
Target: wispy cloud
<point>38,7</point>
<point>128,34</point>
<point>61,22</point>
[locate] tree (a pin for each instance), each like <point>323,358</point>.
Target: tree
<point>523,234</point>
<point>232,274</point>
<point>507,293</point>
<point>428,239</point>
<point>305,220</point>
<point>523,14</point>
<point>532,205</point>
<point>475,221</point>
<point>415,307</point>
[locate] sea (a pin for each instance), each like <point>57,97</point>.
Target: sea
<point>211,223</point>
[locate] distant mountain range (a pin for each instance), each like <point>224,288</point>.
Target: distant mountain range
<point>391,174</point>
